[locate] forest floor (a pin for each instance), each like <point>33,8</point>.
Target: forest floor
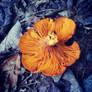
<point>16,16</point>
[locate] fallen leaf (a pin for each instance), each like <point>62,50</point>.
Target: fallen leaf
<point>12,38</point>
<point>10,70</point>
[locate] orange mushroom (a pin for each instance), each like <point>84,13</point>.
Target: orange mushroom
<point>43,47</point>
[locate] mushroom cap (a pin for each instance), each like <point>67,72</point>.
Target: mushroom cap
<point>50,59</point>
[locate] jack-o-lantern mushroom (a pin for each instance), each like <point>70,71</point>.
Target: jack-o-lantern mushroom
<point>43,46</point>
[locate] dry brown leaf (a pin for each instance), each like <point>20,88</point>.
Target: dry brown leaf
<point>10,70</point>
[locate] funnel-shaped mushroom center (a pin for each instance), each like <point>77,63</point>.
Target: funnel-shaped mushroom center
<point>51,39</point>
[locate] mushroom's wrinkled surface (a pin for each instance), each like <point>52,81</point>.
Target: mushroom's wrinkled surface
<point>43,47</point>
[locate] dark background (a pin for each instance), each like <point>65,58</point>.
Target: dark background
<point>26,12</point>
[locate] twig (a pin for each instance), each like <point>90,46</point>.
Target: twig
<point>26,78</point>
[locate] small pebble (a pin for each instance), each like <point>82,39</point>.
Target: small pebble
<point>89,57</point>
